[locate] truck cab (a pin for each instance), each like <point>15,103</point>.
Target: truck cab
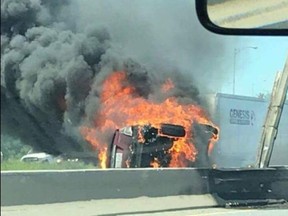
<point>142,146</point>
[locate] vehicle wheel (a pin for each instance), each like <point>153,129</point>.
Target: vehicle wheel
<point>173,130</point>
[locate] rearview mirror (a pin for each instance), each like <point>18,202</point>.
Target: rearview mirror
<point>244,16</point>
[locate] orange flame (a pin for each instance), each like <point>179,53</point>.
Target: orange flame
<point>89,135</point>
<point>121,106</point>
<point>155,163</point>
<point>168,85</point>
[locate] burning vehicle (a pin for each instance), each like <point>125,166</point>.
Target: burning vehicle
<point>148,146</point>
<point>147,132</point>
<point>65,91</point>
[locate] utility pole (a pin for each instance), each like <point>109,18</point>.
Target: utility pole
<point>236,51</point>
<point>273,116</point>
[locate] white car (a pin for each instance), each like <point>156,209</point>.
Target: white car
<point>38,157</point>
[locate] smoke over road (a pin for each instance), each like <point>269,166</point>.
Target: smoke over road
<point>56,55</point>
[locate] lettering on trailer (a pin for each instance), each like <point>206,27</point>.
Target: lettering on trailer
<point>242,117</point>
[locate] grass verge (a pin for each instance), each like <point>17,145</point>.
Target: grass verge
<point>19,165</point>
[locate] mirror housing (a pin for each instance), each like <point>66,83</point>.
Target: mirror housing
<point>205,20</point>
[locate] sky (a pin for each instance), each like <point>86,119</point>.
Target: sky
<point>255,69</point>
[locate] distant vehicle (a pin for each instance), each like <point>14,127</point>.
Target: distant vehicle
<point>40,157</point>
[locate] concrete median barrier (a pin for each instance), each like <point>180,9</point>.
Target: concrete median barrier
<point>39,187</point>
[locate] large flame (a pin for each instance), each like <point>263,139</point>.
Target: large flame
<point>121,106</point>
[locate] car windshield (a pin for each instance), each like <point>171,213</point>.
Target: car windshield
<point>100,84</point>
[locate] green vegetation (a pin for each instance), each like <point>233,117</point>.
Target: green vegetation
<point>13,149</point>
<point>18,165</point>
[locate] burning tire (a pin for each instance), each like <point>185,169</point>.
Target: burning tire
<point>172,130</point>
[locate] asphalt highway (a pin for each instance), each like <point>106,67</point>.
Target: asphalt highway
<point>200,205</point>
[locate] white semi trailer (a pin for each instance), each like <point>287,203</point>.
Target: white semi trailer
<point>241,119</point>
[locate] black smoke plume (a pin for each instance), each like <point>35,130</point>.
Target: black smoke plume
<point>54,58</point>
